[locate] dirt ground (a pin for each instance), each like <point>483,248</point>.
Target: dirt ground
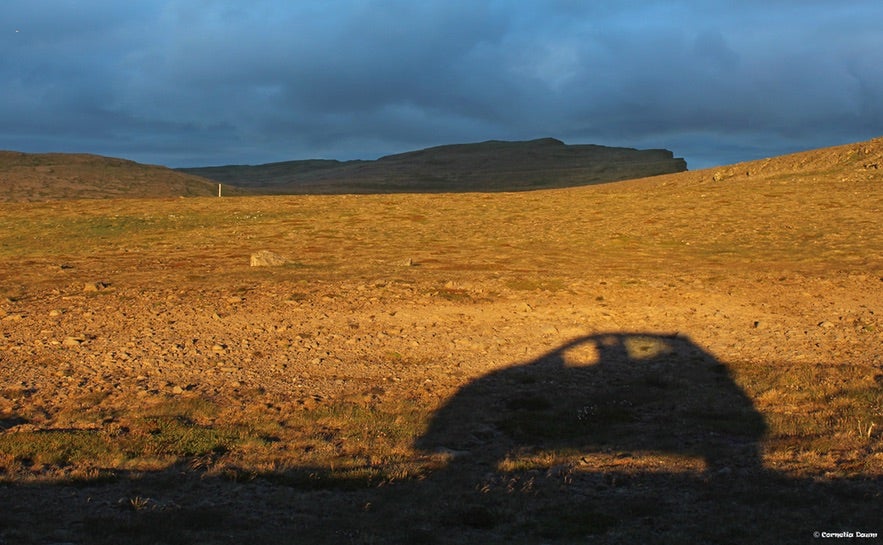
<point>447,298</point>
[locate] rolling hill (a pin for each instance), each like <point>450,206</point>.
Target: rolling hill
<point>45,176</point>
<point>484,167</point>
<point>491,166</point>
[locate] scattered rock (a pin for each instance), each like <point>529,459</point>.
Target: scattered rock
<point>95,286</point>
<point>265,258</point>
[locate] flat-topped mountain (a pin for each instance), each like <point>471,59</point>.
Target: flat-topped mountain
<point>42,176</point>
<point>485,166</point>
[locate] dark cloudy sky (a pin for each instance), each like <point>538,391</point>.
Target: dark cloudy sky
<point>207,82</point>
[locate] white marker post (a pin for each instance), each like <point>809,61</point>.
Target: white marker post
<point>219,191</point>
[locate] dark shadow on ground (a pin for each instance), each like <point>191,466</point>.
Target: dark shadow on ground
<point>617,391</point>
<point>611,402</point>
<point>10,422</point>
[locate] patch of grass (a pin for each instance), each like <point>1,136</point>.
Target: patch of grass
<point>173,431</point>
<point>179,437</point>
<point>157,438</point>
<point>195,408</point>
<point>816,408</point>
<point>370,425</point>
<point>58,448</point>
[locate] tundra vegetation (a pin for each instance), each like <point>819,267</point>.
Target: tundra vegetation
<point>691,357</point>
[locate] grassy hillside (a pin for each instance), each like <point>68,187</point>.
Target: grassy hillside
<point>35,177</point>
<point>693,357</point>
<point>487,166</point>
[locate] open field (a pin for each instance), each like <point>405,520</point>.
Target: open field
<point>687,358</point>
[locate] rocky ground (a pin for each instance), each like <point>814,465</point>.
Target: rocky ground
<point>308,341</point>
<point>723,385</point>
<point>96,349</point>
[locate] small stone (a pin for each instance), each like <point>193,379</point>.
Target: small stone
<point>73,341</point>
<point>177,390</point>
<point>266,258</point>
<point>94,286</point>
<point>54,312</point>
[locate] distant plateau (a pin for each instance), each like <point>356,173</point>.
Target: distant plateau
<point>490,166</point>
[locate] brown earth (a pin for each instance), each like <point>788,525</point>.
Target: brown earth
<point>43,176</point>
<point>393,311</point>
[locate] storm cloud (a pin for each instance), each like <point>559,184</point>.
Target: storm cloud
<point>208,82</point>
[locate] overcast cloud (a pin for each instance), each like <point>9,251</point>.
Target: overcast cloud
<point>207,82</point>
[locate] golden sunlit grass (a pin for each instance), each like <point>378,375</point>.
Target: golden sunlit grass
<point>534,241</point>
<point>613,249</point>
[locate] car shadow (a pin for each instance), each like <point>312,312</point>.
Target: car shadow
<point>619,437</point>
<point>620,403</point>
<point>659,445</point>
<point>623,392</point>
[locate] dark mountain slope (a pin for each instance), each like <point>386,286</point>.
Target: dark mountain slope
<point>486,166</point>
